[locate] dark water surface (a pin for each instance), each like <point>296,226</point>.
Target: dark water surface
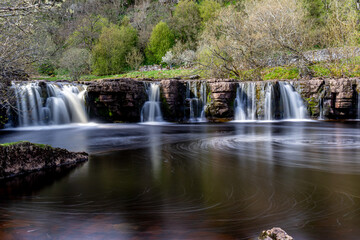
<point>225,181</point>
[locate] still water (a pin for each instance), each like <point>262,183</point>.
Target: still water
<point>200,181</point>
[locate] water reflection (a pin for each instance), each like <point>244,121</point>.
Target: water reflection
<point>193,181</point>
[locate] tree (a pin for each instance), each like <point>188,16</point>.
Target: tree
<point>109,54</point>
<point>261,34</point>
<point>161,40</point>
<point>208,8</point>
<point>187,23</point>
<point>88,31</point>
<point>76,61</point>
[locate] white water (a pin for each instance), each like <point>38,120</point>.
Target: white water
<point>268,109</point>
<point>151,111</point>
<point>245,102</point>
<point>61,104</point>
<point>291,103</point>
<point>197,101</point>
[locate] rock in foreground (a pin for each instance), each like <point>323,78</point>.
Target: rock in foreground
<point>275,234</point>
<point>23,157</point>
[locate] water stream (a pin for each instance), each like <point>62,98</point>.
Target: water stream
<point>151,111</point>
<point>49,104</point>
<point>196,99</point>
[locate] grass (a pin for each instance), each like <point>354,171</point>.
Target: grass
<point>344,68</point>
<point>15,143</point>
<point>161,74</point>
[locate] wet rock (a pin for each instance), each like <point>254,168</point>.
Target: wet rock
<point>274,234</point>
<point>116,100</point>
<point>24,157</point>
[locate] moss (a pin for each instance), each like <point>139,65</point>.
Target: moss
<point>19,142</point>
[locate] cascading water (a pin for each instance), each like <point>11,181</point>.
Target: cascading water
<point>151,111</point>
<point>245,102</point>
<point>197,101</point>
<point>58,104</point>
<point>269,101</point>
<point>291,103</point>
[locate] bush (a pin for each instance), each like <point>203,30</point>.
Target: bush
<point>169,59</point>
<point>76,61</point>
<point>187,23</point>
<point>208,9</point>
<point>134,59</point>
<point>109,54</point>
<point>47,68</point>
<point>161,40</point>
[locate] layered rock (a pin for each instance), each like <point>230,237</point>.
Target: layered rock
<point>24,157</point>
<point>222,96</point>
<point>122,99</point>
<point>116,100</point>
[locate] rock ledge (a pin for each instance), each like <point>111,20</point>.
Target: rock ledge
<point>23,157</point>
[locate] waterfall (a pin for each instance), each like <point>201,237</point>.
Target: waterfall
<point>151,111</point>
<point>59,104</point>
<point>197,100</point>
<point>245,102</point>
<point>291,103</point>
<point>269,100</point>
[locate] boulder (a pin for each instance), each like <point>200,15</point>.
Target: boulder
<point>274,234</point>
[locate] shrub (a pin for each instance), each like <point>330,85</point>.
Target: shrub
<point>109,54</point>
<point>208,9</point>
<point>76,61</point>
<point>134,59</point>
<point>47,68</point>
<point>187,23</point>
<point>161,40</point>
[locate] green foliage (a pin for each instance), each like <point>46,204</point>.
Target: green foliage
<point>316,11</point>
<point>47,68</point>
<point>187,23</point>
<point>134,58</point>
<point>15,143</point>
<point>109,54</point>
<point>161,40</point>
<point>87,33</point>
<point>76,61</point>
<point>281,73</point>
<point>208,9</point>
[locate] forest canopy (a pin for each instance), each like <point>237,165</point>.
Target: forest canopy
<point>221,37</point>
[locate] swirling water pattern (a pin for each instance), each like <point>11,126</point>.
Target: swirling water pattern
<point>226,181</point>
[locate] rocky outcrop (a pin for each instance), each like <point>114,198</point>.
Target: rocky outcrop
<point>222,95</point>
<point>330,98</point>
<point>116,100</point>
<point>274,234</point>
<point>24,157</point>
<point>121,100</point>
<point>173,96</point>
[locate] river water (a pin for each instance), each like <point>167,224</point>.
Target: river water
<point>208,181</point>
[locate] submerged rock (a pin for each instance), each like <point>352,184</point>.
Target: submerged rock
<point>275,234</point>
<point>23,157</point>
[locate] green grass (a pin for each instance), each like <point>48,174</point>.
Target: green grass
<point>15,143</point>
<point>162,74</point>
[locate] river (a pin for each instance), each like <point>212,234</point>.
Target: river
<point>189,181</point>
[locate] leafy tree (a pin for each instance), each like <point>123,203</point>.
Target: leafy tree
<point>187,22</point>
<point>208,9</point>
<point>76,61</point>
<point>87,33</point>
<point>109,54</point>
<point>161,40</point>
